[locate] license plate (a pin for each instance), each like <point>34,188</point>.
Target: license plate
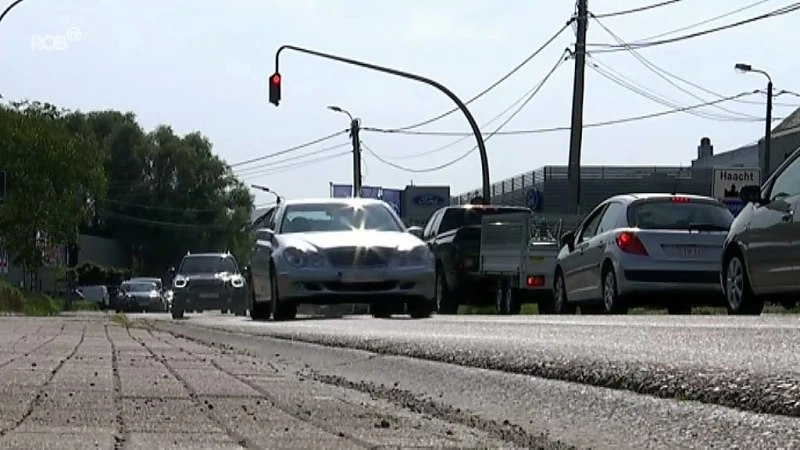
<point>208,295</point>
<point>690,250</point>
<point>536,259</point>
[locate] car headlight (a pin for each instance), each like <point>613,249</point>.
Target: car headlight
<point>237,282</point>
<point>301,259</point>
<point>415,257</point>
<point>180,283</point>
<point>154,295</point>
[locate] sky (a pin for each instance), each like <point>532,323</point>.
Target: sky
<point>204,65</point>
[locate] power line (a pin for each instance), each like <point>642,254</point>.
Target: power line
<point>610,48</point>
<point>296,165</point>
<point>589,125</point>
<point>491,87</point>
<point>639,9</point>
<point>632,86</point>
<point>246,170</point>
<point>290,149</point>
<point>664,74</point>
<point>519,109</point>
<point>702,22</point>
<point>494,119</point>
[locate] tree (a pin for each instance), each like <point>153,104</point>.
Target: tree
<point>53,176</point>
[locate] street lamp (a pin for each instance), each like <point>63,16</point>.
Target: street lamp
<point>266,189</point>
<point>768,133</point>
<point>355,135</point>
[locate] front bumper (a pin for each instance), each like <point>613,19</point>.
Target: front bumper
<point>231,298</point>
<point>356,285</point>
<point>138,304</point>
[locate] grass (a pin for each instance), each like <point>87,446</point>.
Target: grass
<point>15,301</point>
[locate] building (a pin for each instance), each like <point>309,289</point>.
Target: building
<point>785,140</point>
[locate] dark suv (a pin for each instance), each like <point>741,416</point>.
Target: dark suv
<point>208,281</point>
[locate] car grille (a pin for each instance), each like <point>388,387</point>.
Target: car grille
<point>205,285</point>
<point>359,257</point>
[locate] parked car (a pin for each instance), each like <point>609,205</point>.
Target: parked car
<point>96,293</point>
<point>761,258</point>
<point>334,251</point>
<point>643,250</point>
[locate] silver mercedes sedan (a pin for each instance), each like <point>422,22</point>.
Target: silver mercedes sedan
<point>341,250</point>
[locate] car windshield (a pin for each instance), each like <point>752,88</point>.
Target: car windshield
<point>156,281</point>
<point>461,217</point>
<point>685,214</point>
<point>207,264</point>
<point>324,217</point>
<point>137,287</point>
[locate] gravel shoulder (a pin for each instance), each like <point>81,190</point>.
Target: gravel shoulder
<point>87,382</point>
<point>527,411</point>
<point>747,363</point>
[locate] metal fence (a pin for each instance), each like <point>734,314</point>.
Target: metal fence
<point>597,184</point>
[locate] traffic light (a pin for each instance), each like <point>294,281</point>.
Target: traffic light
<point>275,88</point>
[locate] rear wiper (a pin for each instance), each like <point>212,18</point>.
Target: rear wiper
<point>706,227</point>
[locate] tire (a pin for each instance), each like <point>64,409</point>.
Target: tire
<point>177,314</point>
<point>281,311</point>
<point>612,302</point>
<point>506,302</point>
<point>420,309</point>
<point>445,299</point>
<point>224,311</point>
<point>560,303</point>
<point>240,312</point>
<point>380,310</point>
<point>739,297</point>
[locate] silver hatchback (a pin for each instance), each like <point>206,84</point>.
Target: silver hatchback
<point>643,250</point>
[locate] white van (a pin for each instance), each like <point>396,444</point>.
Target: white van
<point>98,294</point>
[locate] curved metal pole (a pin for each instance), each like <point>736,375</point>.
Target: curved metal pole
<point>5,13</point>
<point>487,194</point>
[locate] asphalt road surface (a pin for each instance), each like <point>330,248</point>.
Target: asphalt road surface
<point>677,382</point>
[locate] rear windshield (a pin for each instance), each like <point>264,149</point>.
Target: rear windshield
<point>671,215</point>
<point>460,217</point>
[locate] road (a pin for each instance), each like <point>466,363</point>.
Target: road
<point>215,381</point>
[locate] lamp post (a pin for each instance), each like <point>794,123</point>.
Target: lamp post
<point>355,135</point>
<point>266,189</point>
<point>768,127</point>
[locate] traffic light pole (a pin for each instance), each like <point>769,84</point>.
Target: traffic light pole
<point>576,127</point>
<point>410,76</point>
<point>355,134</point>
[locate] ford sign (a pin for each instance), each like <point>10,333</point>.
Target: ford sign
<point>429,200</point>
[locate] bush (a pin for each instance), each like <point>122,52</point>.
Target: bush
<point>13,300</point>
<point>91,274</point>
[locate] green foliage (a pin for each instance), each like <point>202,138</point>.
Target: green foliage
<point>13,300</point>
<point>157,193</point>
<point>91,274</point>
<point>51,173</point>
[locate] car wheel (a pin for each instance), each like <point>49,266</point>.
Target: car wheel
<point>740,299</point>
<point>561,304</point>
<point>177,313</point>
<point>445,299</point>
<point>612,302</point>
<point>280,310</point>
<point>420,309</point>
<point>380,310</point>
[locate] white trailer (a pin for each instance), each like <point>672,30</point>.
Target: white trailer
<point>519,252</point>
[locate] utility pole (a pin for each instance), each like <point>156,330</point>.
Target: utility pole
<point>576,128</point>
<point>355,129</point>
<point>768,135</point>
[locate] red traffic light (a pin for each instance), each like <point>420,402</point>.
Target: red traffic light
<point>276,79</point>
<point>275,88</point>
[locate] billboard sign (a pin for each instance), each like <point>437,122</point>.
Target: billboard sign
<point>341,190</point>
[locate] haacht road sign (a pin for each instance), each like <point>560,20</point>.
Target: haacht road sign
<point>728,181</point>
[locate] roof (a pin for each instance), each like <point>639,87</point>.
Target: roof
<point>657,195</point>
<point>333,201</point>
<point>218,254</point>
<point>791,122</point>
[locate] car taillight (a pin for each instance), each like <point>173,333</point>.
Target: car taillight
<point>674,199</point>
<point>629,243</point>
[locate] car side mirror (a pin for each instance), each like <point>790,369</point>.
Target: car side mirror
<point>416,231</point>
<point>265,234</point>
<point>752,193</point>
<point>246,271</point>
<point>568,239</point>
<point>171,271</point>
